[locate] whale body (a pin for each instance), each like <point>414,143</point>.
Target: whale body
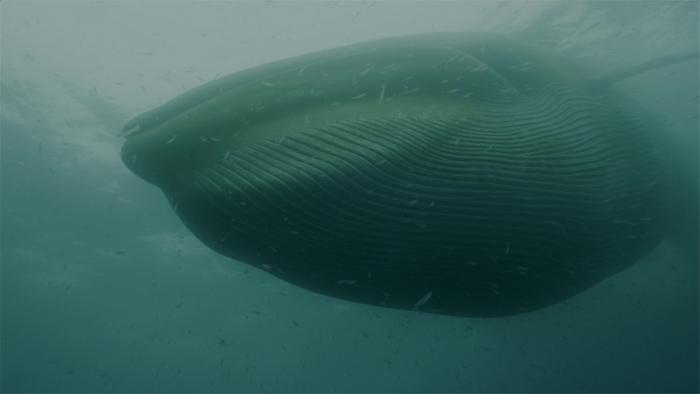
<point>460,174</point>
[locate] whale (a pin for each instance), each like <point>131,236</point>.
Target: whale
<point>463,174</point>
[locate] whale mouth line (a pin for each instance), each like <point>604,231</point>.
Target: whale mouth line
<point>377,81</point>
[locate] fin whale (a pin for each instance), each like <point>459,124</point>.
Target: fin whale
<point>460,174</point>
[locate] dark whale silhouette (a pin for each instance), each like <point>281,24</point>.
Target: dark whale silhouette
<point>461,174</point>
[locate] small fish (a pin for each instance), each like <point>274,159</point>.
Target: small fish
<point>423,301</point>
<point>366,71</point>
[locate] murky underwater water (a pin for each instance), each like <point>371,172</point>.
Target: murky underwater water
<point>103,288</point>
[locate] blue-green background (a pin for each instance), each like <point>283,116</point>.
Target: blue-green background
<point>104,290</point>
